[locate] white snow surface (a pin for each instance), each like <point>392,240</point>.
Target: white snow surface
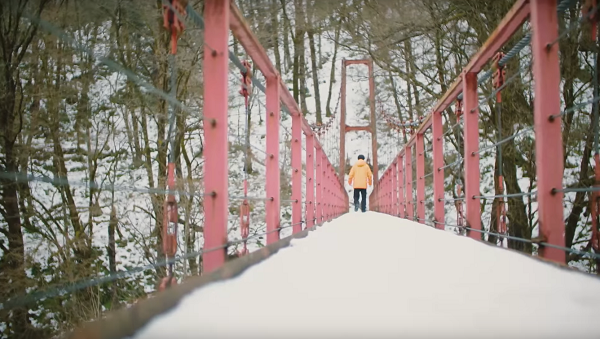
<point>376,276</point>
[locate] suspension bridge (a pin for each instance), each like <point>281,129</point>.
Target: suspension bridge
<point>392,270</point>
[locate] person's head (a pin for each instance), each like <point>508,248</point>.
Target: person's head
<point>361,157</point>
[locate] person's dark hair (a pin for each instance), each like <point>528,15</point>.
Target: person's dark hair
<point>361,157</point>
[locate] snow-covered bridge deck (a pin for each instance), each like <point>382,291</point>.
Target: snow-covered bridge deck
<point>375,276</point>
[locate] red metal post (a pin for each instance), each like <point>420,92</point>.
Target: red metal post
<point>296,172</point>
<point>409,185</point>
<point>310,181</point>
<point>383,202</point>
<point>216,69</point>
<point>381,189</point>
<point>471,137</point>
<point>438,174</point>
<point>548,137</point>
<point>384,193</point>
<point>342,169</point>
<point>420,150</point>
<point>388,197</point>
<point>273,183</point>
<point>323,186</point>
<point>327,199</point>
<point>319,186</point>
<point>395,187</point>
<point>401,210</point>
<point>390,189</point>
<point>391,183</point>
<point>332,191</point>
<point>373,121</point>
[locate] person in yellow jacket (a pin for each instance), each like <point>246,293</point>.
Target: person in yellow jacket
<point>361,175</point>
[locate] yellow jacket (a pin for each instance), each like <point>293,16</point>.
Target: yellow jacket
<point>361,173</point>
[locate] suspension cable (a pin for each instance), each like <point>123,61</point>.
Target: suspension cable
<point>175,26</point>
<point>245,91</point>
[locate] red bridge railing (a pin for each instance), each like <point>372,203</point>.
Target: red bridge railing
<point>329,199</point>
<point>395,190</point>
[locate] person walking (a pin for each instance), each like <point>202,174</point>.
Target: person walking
<point>361,175</point>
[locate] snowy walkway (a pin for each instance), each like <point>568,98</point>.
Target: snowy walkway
<point>375,276</point>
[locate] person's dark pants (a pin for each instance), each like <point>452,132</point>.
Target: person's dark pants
<point>363,201</point>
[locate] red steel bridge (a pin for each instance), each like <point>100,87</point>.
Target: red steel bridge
<point>403,189</point>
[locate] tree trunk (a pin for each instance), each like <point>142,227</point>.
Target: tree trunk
<point>15,39</point>
<point>113,223</point>
<point>287,59</point>
<point>82,243</point>
<point>409,93</point>
<point>275,34</point>
<point>333,65</point>
<point>160,81</point>
<point>313,55</point>
<point>412,69</point>
<point>302,81</point>
<point>298,51</point>
<point>187,203</point>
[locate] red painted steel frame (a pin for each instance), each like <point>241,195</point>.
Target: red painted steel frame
<point>327,191</point>
<point>401,211</point>
<point>296,173</point>
<point>549,165</point>
<point>310,181</point>
<point>372,124</point>
<point>438,173</point>
<point>216,65</point>
<point>325,201</point>
<point>471,137</point>
<point>273,176</point>
<point>420,150</point>
<point>277,90</point>
<point>389,192</point>
<point>548,136</point>
<point>385,190</point>
<point>319,204</point>
<point>394,187</point>
<point>409,186</point>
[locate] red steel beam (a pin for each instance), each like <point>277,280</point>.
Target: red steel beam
<point>357,62</point>
<point>357,128</point>
<point>507,27</point>
<point>421,130</point>
<point>239,27</point>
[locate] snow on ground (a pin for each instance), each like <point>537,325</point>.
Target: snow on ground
<point>373,275</point>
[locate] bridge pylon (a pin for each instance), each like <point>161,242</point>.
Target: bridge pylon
<point>371,127</point>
